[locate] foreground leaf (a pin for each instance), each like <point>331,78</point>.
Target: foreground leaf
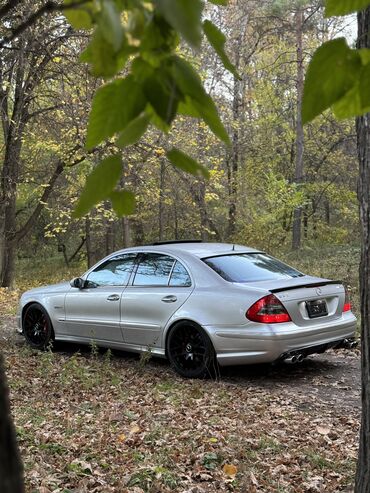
<point>123,202</point>
<point>343,7</point>
<point>99,184</point>
<point>134,131</point>
<point>114,106</point>
<point>110,23</point>
<point>217,39</point>
<point>79,18</point>
<point>184,16</point>
<point>198,102</point>
<point>186,163</point>
<point>333,71</point>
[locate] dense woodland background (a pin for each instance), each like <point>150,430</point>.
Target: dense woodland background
<point>277,187</point>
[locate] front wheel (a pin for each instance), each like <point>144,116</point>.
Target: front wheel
<point>37,327</point>
<point>190,351</point>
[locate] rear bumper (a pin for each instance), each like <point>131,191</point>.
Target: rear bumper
<point>260,343</point>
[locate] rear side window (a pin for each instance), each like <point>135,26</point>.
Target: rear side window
<point>153,270</point>
<point>180,276</point>
<point>249,267</point>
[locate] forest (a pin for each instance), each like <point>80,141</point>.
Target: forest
<point>273,167</point>
<point>251,174</point>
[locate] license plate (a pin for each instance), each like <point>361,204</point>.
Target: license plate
<point>316,308</point>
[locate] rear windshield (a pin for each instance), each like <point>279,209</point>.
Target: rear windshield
<point>249,267</point>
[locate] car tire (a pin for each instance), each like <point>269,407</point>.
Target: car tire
<point>37,327</point>
<point>190,351</point>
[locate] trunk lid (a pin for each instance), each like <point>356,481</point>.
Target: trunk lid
<point>308,300</point>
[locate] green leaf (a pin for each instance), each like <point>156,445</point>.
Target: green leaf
<point>103,58</point>
<point>217,39</point>
<point>186,163</point>
<point>197,100</point>
<point>333,71</point>
<point>99,184</point>
<point>79,18</point>
<point>350,105</point>
<point>220,2</point>
<point>123,202</point>
<point>365,55</point>
<point>184,16</point>
<point>114,106</point>
<point>134,131</point>
<point>110,23</point>
<point>344,7</point>
<point>162,94</point>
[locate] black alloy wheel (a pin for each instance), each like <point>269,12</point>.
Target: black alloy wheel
<point>190,351</point>
<point>37,327</point>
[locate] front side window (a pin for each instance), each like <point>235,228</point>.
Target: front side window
<point>154,270</point>
<point>250,267</point>
<point>114,272</point>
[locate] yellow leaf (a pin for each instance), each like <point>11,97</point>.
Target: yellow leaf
<point>135,429</point>
<point>213,440</point>
<point>230,470</point>
<point>122,437</point>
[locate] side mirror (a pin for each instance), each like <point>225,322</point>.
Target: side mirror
<point>78,282</point>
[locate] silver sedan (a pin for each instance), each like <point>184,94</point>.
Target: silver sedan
<point>198,304</point>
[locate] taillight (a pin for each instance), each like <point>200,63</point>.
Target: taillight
<point>268,310</point>
<point>347,302</point>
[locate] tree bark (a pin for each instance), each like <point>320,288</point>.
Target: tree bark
<point>233,161</point>
<point>162,175</point>
<point>297,218</point>
<point>204,223</point>
<point>363,146</point>
<point>11,469</point>
<point>89,254</point>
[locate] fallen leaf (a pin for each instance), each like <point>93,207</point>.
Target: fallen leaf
<point>323,430</point>
<point>230,470</point>
<point>135,429</point>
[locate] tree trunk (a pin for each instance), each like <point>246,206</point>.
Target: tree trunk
<point>89,254</point>
<point>126,236</point>
<point>9,181</point>
<point>363,147</point>
<point>297,219</point>
<point>204,223</point>
<point>11,469</point>
<point>161,199</point>
<point>233,161</point>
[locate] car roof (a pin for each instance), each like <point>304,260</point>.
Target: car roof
<point>198,249</point>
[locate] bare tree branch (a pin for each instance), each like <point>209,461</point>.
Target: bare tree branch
<point>8,7</point>
<point>48,7</point>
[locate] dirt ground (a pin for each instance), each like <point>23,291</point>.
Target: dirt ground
<point>322,392</point>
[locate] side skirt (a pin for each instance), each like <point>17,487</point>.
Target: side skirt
<point>132,348</point>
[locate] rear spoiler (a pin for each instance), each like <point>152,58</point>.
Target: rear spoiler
<point>308,285</point>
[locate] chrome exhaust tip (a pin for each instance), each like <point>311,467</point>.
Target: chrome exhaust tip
<point>349,344</point>
<point>294,358</point>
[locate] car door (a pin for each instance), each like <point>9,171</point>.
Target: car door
<point>161,284</point>
<point>94,311</point>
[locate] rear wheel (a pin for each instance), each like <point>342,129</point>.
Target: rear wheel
<point>37,327</point>
<point>190,351</point>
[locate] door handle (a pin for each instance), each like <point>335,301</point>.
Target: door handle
<point>169,299</point>
<point>113,297</point>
